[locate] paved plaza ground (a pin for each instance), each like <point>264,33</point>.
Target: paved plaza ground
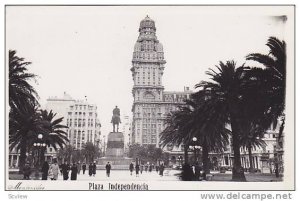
<point>169,175</point>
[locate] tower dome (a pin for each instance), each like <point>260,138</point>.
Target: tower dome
<point>147,23</point>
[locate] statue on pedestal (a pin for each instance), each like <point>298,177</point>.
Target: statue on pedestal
<point>116,120</point>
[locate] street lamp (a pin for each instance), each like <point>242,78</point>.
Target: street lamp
<point>38,146</point>
<point>195,147</point>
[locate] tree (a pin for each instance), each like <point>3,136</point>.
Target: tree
<point>53,131</point>
<point>24,127</point>
<point>146,153</point>
<point>23,117</point>
<point>252,138</point>
<point>20,91</point>
<point>65,153</point>
<point>225,92</point>
<point>90,152</point>
<point>271,80</point>
<point>178,129</point>
<point>209,126</point>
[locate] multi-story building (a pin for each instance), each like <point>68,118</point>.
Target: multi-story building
<point>151,103</point>
<point>60,105</point>
<point>126,129</point>
<point>84,125</point>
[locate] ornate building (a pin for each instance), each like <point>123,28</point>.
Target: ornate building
<point>151,103</point>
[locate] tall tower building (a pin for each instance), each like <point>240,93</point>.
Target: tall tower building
<point>147,70</point>
<point>151,104</point>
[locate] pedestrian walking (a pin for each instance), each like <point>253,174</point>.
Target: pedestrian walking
<point>108,168</point>
<point>74,171</point>
<point>131,168</point>
<point>91,169</point>
<point>161,170</point>
<point>78,167</point>
<point>94,168</point>
<point>65,170</point>
<point>55,170</point>
<point>45,170</point>
<point>150,168</point>
<point>83,168</point>
<point>26,171</point>
<point>141,168</point>
<point>137,170</point>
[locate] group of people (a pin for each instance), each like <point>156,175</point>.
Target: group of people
<point>148,167</point>
<point>67,170</point>
<point>75,170</point>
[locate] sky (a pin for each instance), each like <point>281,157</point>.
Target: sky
<point>87,51</point>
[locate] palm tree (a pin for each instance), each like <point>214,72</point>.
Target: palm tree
<point>24,126</point>
<point>53,131</point>
<point>271,80</point>
<point>178,129</point>
<point>252,137</point>
<point>225,92</point>
<point>20,91</point>
<point>209,127</point>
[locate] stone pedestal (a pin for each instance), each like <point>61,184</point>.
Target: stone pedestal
<point>115,153</point>
<point>115,145</point>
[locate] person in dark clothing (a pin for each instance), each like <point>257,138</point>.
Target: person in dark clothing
<point>137,170</point>
<point>187,173</point>
<point>150,168</point>
<point>26,171</point>
<point>131,168</point>
<point>94,168</point>
<point>108,168</point>
<point>83,168</point>
<point>74,171</point>
<point>161,170</point>
<point>65,168</point>
<point>45,170</point>
<point>157,168</point>
<point>91,169</point>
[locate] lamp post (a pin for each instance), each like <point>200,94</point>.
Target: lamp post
<point>195,147</point>
<point>38,145</point>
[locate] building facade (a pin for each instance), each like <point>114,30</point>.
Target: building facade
<point>84,125</point>
<point>151,103</point>
<point>126,129</point>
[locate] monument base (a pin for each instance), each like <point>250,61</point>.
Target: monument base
<point>117,163</point>
<point>114,153</point>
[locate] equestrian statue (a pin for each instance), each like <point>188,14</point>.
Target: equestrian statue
<point>116,120</point>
